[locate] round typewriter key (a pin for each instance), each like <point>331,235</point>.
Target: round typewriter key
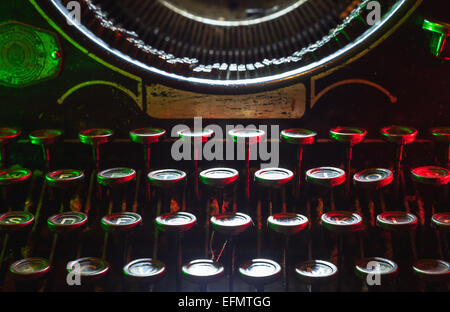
<point>178,222</point>
<point>7,135</point>
<point>30,268</point>
<point>273,177</point>
<point>397,221</point>
<point>441,221</point>
<point>96,136</point>
<point>301,137</point>
<point>326,176</point>
<point>287,223</point>
<point>196,137</point>
<point>375,178</point>
<point>64,178</point>
<point>13,176</point>
<point>259,272</point>
<point>316,271</point>
<point>251,136</point>
<point>166,178</point>
<point>115,176</point>
<point>341,221</point>
<point>231,223</point>
<point>120,221</point>
<point>383,267</point>
<point>298,136</point>
<point>46,138</point>
<point>15,220</point>
<point>203,134</point>
<point>145,270</point>
<point>66,221</point>
<point>399,134</point>
<point>431,175</point>
<point>203,271</point>
<point>441,134</point>
<point>89,268</point>
<point>146,136</point>
<point>348,135</point>
<point>432,269</point>
<point>219,177</point>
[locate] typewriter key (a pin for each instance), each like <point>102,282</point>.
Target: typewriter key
<point>7,135</point>
<point>326,176</point>
<point>397,221</point>
<point>431,175</point>
<point>442,135</point>
<point>316,271</point>
<point>249,137</point>
<point>121,221</point>
<point>441,221</point>
<point>260,272</point>
<point>115,176</point>
<point>29,268</point>
<point>341,221</point>
<point>434,270</point>
<point>66,222</point>
<point>219,177</point>
<point>301,137</point>
<point>230,225</point>
<point>273,177</point>
<point>13,176</point>
<point>166,178</point>
<point>383,268</point>
<point>400,136</point>
<point>203,272</point>
<point>175,222</point>
<point>95,138</point>
<point>196,138</point>
<point>375,178</point>
<point>89,268</point>
<point>15,220</point>
<point>146,270</point>
<point>178,223</point>
<point>46,138</point>
<point>298,136</point>
<point>146,137</point>
<point>348,136</point>
<point>64,179</point>
<point>287,224</point>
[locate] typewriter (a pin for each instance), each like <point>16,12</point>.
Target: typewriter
<point>226,146</point>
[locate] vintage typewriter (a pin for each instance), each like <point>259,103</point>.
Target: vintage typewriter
<point>227,146</point>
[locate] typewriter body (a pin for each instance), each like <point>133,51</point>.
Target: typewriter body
<point>263,145</point>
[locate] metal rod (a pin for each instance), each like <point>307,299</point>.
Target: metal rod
<point>299,170</point>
